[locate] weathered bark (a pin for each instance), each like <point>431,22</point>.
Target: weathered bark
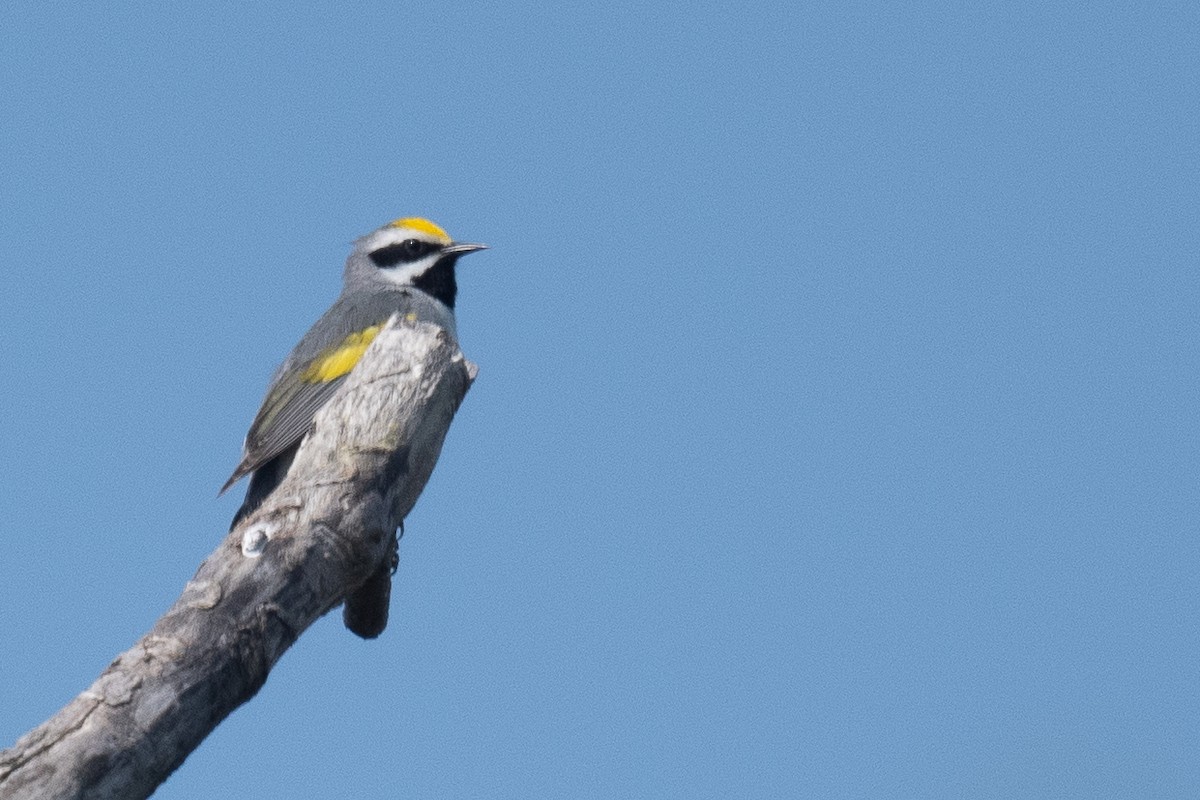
<point>325,532</point>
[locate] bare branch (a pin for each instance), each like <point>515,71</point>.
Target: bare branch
<point>325,532</point>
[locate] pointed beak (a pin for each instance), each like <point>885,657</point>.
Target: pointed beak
<point>462,248</point>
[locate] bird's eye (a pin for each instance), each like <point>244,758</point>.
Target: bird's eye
<point>415,248</point>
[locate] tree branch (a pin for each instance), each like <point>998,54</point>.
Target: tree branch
<point>327,530</point>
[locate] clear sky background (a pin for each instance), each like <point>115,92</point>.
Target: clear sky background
<point>835,433</point>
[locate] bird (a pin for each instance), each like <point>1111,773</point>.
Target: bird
<point>406,267</point>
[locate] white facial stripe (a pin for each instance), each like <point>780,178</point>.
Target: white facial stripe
<point>385,236</point>
<point>405,274</point>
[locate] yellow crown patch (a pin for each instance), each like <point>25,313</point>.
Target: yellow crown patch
<point>423,225</point>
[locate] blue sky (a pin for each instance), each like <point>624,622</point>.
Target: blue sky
<point>835,430</point>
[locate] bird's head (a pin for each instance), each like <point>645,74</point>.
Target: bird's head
<point>408,252</point>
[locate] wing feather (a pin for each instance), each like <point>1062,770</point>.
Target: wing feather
<point>282,421</point>
<point>302,384</point>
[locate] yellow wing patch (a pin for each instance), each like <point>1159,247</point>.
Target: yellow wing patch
<point>340,359</point>
<point>423,225</point>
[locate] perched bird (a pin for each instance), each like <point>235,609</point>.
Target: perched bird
<point>407,266</point>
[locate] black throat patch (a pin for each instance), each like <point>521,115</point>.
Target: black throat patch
<point>439,281</point>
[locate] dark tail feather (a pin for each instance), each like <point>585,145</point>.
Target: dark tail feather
<point>366,609</point>
<point>263,481</point>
